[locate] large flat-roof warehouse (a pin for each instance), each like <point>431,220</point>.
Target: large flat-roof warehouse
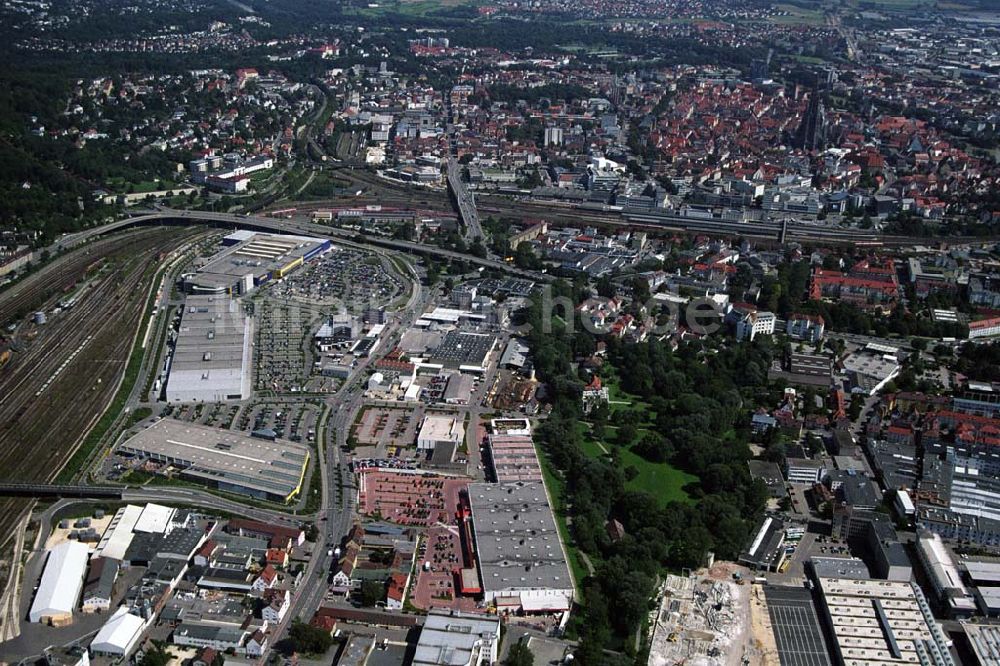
<point>225,460</point>
<point>463,350</point>
<point>521,559</point>
<point>250,259</point>
<point>882,622</point>
<point>211,360</point>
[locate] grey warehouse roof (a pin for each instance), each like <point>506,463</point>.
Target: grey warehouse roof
<point>220,456</point>
<point>517,539</point>
<point>212,354</point>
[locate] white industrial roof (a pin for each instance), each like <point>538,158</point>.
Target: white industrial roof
<point>61,581</point>
<point>154,518</point>
<point>455,639</point>
<point>119,634</point>
<point>119,534</point>
<point>939,563</point>
<point>442,428</point>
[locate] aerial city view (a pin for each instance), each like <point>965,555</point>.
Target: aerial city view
<point>500,332</point>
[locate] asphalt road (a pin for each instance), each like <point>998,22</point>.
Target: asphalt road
<point>466,204</point>
<point>339,493</point>
<point>346,238</point>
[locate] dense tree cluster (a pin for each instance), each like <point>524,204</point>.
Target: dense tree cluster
<point>980,361</point>
<point>698,403</point>
<point>306,639</point>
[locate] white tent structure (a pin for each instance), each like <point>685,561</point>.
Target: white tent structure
<point>119,635</point>
<point>59,588</point>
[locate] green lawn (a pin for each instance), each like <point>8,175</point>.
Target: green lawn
<point>557,491</point>
<point>662,480</point>
<point>620,400</point>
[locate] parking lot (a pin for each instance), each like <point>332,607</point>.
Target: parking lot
<point>295,421</point>
<point>214,414</point>
<point>441,549</point>
<point>386,432</point>
<point>409,499</point>
<point>282,361</point>
<point>812,544</point>
<point>342,276</point>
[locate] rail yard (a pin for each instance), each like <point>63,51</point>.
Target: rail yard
<point>66,371</point>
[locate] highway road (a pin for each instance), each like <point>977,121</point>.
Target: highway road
<point>465,201</point>
<point>347,238</point>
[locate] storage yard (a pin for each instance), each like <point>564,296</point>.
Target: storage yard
<point>41,430</point>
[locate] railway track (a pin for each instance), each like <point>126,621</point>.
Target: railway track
<point>50,280</point>
<point>387,192</point>
<point>40,433</point>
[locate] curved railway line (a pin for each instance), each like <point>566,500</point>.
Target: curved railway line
<point>48,405</point>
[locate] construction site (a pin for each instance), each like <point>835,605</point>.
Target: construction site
<point>703,619</point>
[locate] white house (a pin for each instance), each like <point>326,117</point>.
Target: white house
<point>268,576</point>
<point>753,324</point>
<point>257,644</point>
<point>276,605</point>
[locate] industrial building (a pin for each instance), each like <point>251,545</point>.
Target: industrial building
<point>805,470</point>
<point>117,537</point>
<point>249,259</point>
<point>521,559</point>
<point>272,470</point>
<point>798,635</point>
<point>119,635</point>
<point>99,586</point>
<point>465,351</point>
<point>982,572</point>
<point>457,639</point>
<point>211,360</point>
<point>871,368</point>
<point>881,622</point>
<point>513,458</point>
<point>872,535</point>
<point>440,431</point>
<point>766,550</point>
<point>61,583</point>
<point>985,642</point>
<point>943,575</point>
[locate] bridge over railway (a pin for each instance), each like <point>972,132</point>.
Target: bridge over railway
<point>776,231</point>
<point>56,490</point>
<point>267,224</point>
<point>464,200</point>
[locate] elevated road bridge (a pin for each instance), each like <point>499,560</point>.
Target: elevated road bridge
<point>55,490</point>
<point>280,226</point>
<point>464,200</point>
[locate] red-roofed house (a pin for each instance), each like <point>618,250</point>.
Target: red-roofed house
<point>396,593</point>
<point>266,580</point>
